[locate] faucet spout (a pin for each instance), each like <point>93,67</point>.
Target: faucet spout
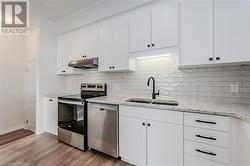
<point>154,93</point>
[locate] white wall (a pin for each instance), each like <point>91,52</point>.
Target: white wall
<point>12,68</point>
<point>47,80</point>
<point>97,12</point>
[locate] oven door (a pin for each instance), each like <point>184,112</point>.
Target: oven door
<point>71,116</point>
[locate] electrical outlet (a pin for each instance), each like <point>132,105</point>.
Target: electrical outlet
<point>234,88</point>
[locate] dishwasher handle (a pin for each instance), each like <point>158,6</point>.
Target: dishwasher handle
<point>104,107</point>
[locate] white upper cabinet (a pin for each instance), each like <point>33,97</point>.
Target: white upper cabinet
<point>106,46</point>
<point>121,59</point>
<point>82,43</point>
<point>231,31</point>
<point>165,24</point>
<point>64,52</point>
<point>114,45</point>
<point>140,31</point>
<point>154,26</point>
<point>86,42</point>
<point>214,31</point>
<point>196,32</point>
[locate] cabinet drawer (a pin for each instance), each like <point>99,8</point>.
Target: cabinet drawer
<point>207,151</point>
<point>190,160</point>
<point>212,122</point>
<point>152,114</point>
<point>211,137</point>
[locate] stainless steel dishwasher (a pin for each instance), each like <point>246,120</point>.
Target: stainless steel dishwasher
<point>103,128</point>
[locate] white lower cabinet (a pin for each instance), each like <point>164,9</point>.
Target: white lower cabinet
<point>133,139</point>
<point>164,144</point>
<point>244,143</point>
<point>147,140</point>
<point>155,137</point>
<point>210,140</point>
<point>51,115</point>
<point>209,152</point>
<point>191,160</point>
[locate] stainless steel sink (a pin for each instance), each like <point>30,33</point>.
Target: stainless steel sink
<point>156,102</point>
<point>165,102</point>
<point>139,100</point>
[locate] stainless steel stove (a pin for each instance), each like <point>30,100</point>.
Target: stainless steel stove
<point>72,115</point>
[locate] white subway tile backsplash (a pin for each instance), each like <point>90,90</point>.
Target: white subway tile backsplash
<point>209,99</point>
<point>209,69</point>
<point>232,68</point>
<point>236,100</point>
<point>232,78</point>
<point>203,83</point>
<point>246,73</point>
<point>246,95</point>
<point>246,84</point>
<point>227,73</point>
<point>226,83</point>
<point>245,78</point>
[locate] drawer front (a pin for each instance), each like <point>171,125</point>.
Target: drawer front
<point>152,114</point>
<point>212,122</point>
<point>211,137</point>
<point>207,151</point>
<point>190,160</point>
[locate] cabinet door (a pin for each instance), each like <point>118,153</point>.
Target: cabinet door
<point>165,24</point>
<point>90,41</point>
<point>244,143</point>
<point>232,31</point>
<point>86,42</point>
<point>77,45</point>
<point>106,46</point>
<point>140,31</point>
<point>120,43</point>
<point>65,49</point>
<point>51,115</point>
<point>190,160</point>
<point>164,144</point>
<point>132,137</point>
<point>196,32</point>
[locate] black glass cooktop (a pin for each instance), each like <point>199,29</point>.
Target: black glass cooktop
<point>80,97</point>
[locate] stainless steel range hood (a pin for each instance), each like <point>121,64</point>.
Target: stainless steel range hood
<point>89,63</point>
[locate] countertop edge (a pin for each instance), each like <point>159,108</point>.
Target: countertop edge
<point>171,108</point>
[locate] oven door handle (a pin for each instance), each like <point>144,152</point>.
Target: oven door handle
<point>71,102</point>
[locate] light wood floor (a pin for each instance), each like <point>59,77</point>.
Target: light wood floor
<point>45,150</point>
<point>14,135</point>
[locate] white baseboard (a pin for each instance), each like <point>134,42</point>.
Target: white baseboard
<point>21,126</point>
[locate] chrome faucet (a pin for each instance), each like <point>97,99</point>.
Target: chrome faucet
<point>153,94</point>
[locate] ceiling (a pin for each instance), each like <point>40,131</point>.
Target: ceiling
<point>57,9</point>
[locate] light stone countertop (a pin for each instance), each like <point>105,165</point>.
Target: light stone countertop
<point>56,95</point>
<point>239,111</point>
